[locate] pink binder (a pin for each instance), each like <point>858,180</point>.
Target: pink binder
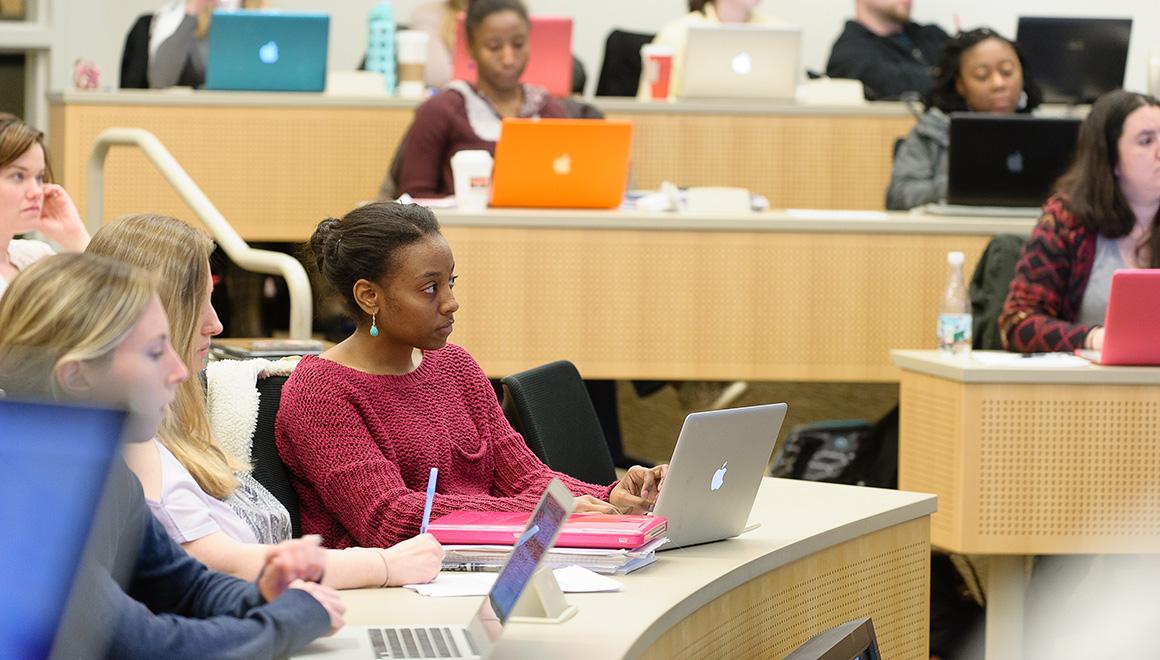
<point>583,530</point>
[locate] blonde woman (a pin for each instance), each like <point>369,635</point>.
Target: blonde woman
<point>204,498</point>
<point>78,327</point>
<point>438,19</point>
<point>178,48</point>
<point>30,202</point>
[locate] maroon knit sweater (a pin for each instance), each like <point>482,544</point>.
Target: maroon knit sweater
<point>360,448</point>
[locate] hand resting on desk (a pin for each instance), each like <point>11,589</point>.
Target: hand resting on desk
<point>637,492</point>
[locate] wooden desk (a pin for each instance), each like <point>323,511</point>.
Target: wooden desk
<point>276,163</point>
<point>789,295</point>
<point>1031,461</point>
<point>823,555</point>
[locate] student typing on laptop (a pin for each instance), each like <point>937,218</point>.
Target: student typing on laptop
<point>361,425</point>
<point>703,12</point>
<point>1105,215</point>
<point>85,328</point>
<point>216,510</point>
<point>178,44</point>
<point>466,116</point>
<point>980,71</point>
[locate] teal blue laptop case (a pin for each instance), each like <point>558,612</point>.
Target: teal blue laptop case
<point>267,51</point>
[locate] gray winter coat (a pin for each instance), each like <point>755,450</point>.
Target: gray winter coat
<point>919,175</point>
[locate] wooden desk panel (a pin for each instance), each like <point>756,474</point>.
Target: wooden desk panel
<point>680,305</point>
<point>277,164</point>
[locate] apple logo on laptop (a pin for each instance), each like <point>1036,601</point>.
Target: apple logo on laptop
<point>742,63</point>
<point>1015,162</point>
<point>719,477</point>
<point>562,165</point>
<point>268,53</point>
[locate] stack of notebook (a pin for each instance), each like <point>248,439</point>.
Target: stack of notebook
<point>613,545</point>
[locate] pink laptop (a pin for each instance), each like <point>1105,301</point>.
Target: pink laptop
<point>1132,325</point>
<point>549,55</point>
<point>583,530</point>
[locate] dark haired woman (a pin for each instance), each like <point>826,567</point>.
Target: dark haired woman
<point>1104,216</point>
<point>361,426</point>
<point>704,12</point>
<point>980,71</point>
<point>466,116</point>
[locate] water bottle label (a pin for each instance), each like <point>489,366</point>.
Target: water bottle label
<point>954,329</point>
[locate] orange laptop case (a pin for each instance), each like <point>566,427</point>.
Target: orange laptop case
<point>561,163</point>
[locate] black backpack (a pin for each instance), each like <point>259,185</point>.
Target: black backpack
<point>851,451</point>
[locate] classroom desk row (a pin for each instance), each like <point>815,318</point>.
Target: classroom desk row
<point>275,161</point>
<point>823,554</point>
<point>1030,460</point>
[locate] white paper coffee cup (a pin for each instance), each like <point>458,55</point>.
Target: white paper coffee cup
<point>471,170</point>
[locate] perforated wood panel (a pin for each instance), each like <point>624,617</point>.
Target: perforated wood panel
<point>796,161</point>
<point>885,575</point>
<point>1034,468</point>
<point>274,172</point>
<point>687,304</point>
<point>1073,465</point>
<point>930,449</point>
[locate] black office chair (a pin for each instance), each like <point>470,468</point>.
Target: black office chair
<point>135,55</point>
<point>550,407</point>
<point>620,70</point>
<point>269,470</point>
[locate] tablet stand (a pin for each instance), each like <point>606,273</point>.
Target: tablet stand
<point>543,601</point>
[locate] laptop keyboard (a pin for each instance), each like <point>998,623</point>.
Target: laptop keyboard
<point>431,642</point>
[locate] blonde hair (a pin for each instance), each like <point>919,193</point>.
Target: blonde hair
<point>451,11</point>
<point>17,137</point>
<point>203,16</point>
<point>178,255</point>
<point>66,308</point>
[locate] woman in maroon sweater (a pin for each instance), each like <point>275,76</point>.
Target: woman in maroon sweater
<point>466,116</point>
<point>361,425</point>
<point>1105,215</point>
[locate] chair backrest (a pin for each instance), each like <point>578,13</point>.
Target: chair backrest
<point>550,407</point>
<point>135,56</point>
<point>988,289</point>
<point>620,70</point>
<point>269,470</point>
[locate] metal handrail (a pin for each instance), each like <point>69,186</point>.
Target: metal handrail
<point>261,261</point>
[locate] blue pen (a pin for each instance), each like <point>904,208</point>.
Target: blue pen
<point>430,499</point>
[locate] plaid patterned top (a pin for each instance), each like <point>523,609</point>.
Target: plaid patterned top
<point>1050,278</point>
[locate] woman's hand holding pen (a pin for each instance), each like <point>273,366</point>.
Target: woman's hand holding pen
<point>637,492</point>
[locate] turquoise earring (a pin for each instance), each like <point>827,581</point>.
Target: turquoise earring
<point>374,328</point>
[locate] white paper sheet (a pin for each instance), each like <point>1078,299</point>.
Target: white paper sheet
<point>572,579</point>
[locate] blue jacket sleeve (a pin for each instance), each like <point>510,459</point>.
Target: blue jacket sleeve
<point>177,608</point>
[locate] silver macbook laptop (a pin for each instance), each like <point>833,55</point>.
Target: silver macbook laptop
<point>477,639</point>
<point>716,469</point>
<point>742,61</point>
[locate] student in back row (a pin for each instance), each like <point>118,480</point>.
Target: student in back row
<point>361,425</point>
<point>179,43</point>
<point>1105,215</point>
<point>464,116</point>
<point>979,71</point>
<point>30,202</point>
<point>703,12</point>
<point>205,498</point>
<point>884,49</point>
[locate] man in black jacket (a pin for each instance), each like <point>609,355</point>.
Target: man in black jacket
<point>884,49</point>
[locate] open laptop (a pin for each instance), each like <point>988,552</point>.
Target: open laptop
<point>267,51</point>
<point>1006,162</point>
<point>715,471</point>
<point>741,61</point>
<point>1075,60</point>
<point>56,459</point>
<point>561,163</point>
<point>478,638</point>
<point>1132,324</point>
<point>549,55</point>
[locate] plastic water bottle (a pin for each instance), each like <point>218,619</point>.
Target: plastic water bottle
<point>381,43</point>
<point>954,319</point>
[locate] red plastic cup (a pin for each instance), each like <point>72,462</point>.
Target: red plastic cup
<point>657,62</point>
